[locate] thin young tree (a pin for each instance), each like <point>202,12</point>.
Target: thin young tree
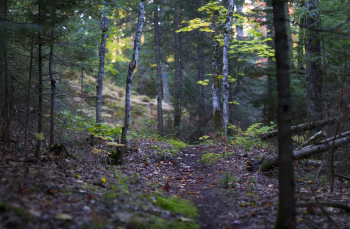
<point>313,63</point>
<point>52,80</point>
<point>177,110</point>
<point>215,75</point>
<point>159,74</point>
<point>286,206</point>
<point>101,68</point>
<point>225,79</point>
<point>132,66</point>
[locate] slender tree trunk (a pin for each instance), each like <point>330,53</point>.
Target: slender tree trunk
<point>286,206</point>
<point>236,86</point>
<point>60,75</point>
<point>82,82</point>
<point>177,110</point>
<point>215,76</point>
<point>40,102</point>
<point>290,39</point>
<point>301,42</point>
<point>101,69</point>
<point>271,83</point>
<point>201,98</point>
<point>159,74</point>
<point>226,84</point>
<point>28,95</point>
<point>7,120</point>
<point>313,65</point>
<point>165,84</point>
<point>53,94</point>
<point>166,93</point>
<point>132,66</point>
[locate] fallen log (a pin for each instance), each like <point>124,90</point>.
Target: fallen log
<point>342,176</point>
<point>300,128</point>
<point>319,147</point>
<point>324,204</point>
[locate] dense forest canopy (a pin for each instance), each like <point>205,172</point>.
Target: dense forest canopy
<point>227,73</point>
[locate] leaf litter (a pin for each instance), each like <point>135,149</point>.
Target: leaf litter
<point>154,189</point>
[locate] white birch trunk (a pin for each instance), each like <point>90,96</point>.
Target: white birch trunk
<point>132,66</point>
<point>226,83</point>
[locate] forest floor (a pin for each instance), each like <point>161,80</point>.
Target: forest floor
<point>192,187</point>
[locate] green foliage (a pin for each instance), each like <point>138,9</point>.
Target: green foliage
<point>146,221</point>
<point>177,205</point>
<point>309,176</point>
<point>227,179</point>
<point>177,144</point>
<point>209,158</point>
<point>250,137</point>
<point>75,123</point>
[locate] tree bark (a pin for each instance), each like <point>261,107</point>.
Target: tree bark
<point>308,151</point>
<point>286,209</point>
<point>177,108</point>
<point>225,80</point>
<point>82,83</point>
<point>132,66</point>
<point>300,128</point>
<point>28,95</point>
<point>215,76</point>
<point>201,77</point>
<point>53,94</point>
<point>166,92</point>
<point>313,64</point>
<point>101,69</point>
<point>159,74</point>
<point>40,102</point>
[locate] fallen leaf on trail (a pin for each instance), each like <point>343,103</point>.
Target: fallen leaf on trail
<point>64,216</point>
<point>90,196</point>
<point>166,186</point>
<point>221,171</point>
<point>194,192</point>
<point>77,175</point>
<point>183,219</point>
<point>35,213</point>
<point>103,179</point>
<point>236,222</point>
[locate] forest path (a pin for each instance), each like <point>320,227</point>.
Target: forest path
<point>90,193</point>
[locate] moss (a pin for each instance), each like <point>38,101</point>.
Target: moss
<point>17,210</point>
<point>209,158</point>
<point>266,166</point>
<point>177,144</point>
<point>144,221</point>
<point>177,205</point>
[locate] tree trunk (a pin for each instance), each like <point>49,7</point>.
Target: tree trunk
<point>299,128</point>
<point>82,83</point>
<point>101,69</point>
<point>308,151</point>
<point>28,95</point>
<point>286,207</point>
<point>201,77</point>
<point>236,86</point>
<point>166,92</point>
<point>215,76</point>
<point>132,66</point>
<point>60,75</point>
<point>40,102</point>
<point>159,74</point>
<point>53,95</point>
<point>226,84</point>
<point>271,82</point>
<point>313,64</point>
<point>290,39</point>
<point>177,110</point>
